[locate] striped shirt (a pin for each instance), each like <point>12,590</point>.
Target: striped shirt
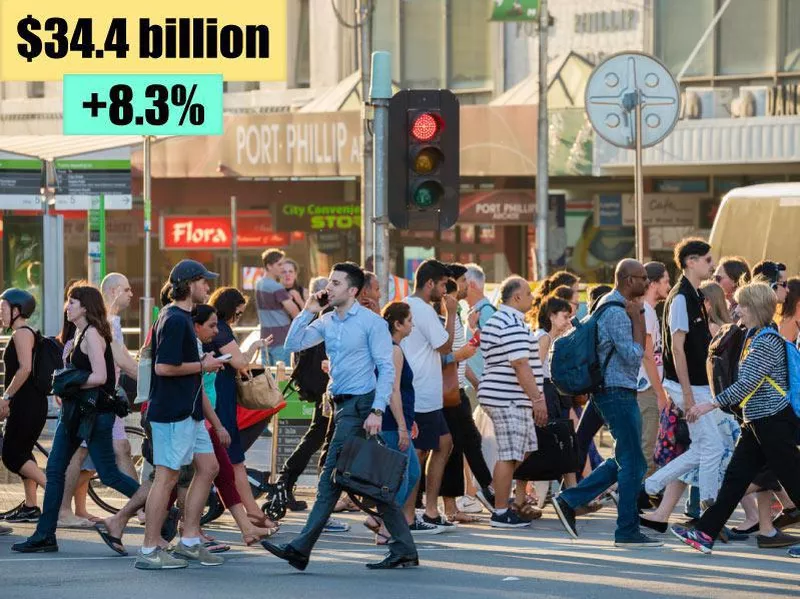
<point>459,341</point>
<point>504,339</point>
<point>274,320</point>
<point>763,357</point>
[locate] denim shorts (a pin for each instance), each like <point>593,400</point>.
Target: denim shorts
<point>176,443</point>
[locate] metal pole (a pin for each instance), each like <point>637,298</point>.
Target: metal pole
<point>234,243</point>
<point>380,93</point>
<point>638,182</point>
<point>542,164</point>
<point>146,302</point>
<point>367,202</point>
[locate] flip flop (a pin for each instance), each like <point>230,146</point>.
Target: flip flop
<point>215,547</point>
<point>113,543</point>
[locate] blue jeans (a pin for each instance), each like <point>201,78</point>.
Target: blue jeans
<point>620,410</point>
<point>392,439</point>
<point>101,449</point>
<point>349,419</point>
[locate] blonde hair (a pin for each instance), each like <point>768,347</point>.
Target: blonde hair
<point>760,299</point>
<point>719,313</point>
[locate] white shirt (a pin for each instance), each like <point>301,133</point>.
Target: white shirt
<point>459,341</point>
<point>538,335</point>
<point>420,348</point>
<point>653,328</point>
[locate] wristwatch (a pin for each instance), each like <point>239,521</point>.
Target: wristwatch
<point>6,397</point>
<point>377,412</point>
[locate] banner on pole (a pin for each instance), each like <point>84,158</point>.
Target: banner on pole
<point>515,10</point>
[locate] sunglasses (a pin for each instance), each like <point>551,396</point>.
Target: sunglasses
<point>783,284</point>
<point>238,314</point>
<point>718,278</point>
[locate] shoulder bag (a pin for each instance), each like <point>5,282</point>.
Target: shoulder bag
<point>258,390</point>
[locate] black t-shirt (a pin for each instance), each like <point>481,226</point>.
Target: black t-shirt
<point>175,398</point>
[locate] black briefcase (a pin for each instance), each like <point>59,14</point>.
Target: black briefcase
<point>557,452</point>
<point>368,468</point>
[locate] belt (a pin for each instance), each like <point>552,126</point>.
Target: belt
<point>337,399</point>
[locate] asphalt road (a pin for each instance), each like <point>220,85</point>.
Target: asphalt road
<point>475,561</point>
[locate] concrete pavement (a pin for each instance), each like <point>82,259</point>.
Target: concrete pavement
<point>475,561</point>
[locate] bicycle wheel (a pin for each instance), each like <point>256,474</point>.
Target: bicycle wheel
<point>110,499</point>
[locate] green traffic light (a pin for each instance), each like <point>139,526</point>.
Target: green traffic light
<point>427,194</point>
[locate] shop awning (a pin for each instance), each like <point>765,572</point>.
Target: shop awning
<point>51,147</point>
<point>566,75</point>
<point>344,96</point>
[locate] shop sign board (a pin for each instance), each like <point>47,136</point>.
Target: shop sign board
<point>503,206</point>
<point>658,210</point>
<point>318,217</point>
<point>179,232</point>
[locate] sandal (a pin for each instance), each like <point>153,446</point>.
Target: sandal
<point>114,543</point>
<point>464,518</point>
<point>528,511</point>
<point>250,540</point>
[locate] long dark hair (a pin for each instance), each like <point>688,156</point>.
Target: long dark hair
<point>68,328</point>
<point>792,297</point>
<point>91,299</point>
<point>225,300</point>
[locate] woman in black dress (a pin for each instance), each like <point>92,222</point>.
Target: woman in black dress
<point>23,404</point>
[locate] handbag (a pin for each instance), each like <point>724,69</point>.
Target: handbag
<point>451,390</point>
<point>367,467</point>
<point>257,390</point>
<point>557,453</point>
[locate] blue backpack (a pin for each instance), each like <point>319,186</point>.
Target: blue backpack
<point>793,367</point>
<point>575,367</point>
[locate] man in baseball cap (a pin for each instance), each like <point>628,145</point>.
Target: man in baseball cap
<point>190,270</point>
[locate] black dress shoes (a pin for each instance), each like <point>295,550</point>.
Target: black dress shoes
<point>395,561</point>
<point>47,545</point>
<point>287,552</point>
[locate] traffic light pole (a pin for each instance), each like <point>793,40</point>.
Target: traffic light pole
<point>542,163</point>
<point>380,93</point>
<point>367,201</point>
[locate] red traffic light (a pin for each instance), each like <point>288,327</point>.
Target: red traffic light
<point>426,126</point>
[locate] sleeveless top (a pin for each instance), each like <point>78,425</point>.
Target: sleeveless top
<point>546,361</point>
<point>407,393</point>
<point>11,361</point>
<point>81,361</point>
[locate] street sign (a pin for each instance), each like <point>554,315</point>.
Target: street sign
<point>515,10</point>
<point>633,101</point>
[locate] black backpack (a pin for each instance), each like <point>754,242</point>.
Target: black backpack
<point>47,358</point>
<point>307,375</point>
<point>722,363</point>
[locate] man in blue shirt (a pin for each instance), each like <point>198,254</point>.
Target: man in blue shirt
<point>357,341</point>
<point>620,346</point>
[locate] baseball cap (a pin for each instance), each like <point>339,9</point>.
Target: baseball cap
<point>187,270</point>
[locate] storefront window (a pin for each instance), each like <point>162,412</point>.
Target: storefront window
<point>679,26</point>
<point>423,42</point>
<point>747,33</point>
<point>469,39</point>
<point>791,32</point>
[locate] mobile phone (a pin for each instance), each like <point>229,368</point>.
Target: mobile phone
<point>224,358</point>
<point>476,339</point>
<point>323,299</point>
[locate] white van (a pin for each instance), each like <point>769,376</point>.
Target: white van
<point>760,222</point>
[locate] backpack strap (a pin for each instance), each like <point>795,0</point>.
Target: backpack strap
<point>596,315</point>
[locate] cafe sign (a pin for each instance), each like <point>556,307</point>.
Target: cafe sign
<point>658,210</point>
<point>215,232</point>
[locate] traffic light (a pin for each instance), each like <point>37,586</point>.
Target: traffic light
<point>423,165</point>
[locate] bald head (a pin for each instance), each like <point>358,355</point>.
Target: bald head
<point>631,278</point>
<point>117,291</point>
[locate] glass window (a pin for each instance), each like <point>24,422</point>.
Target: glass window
<point>384,26</point>
<point>423,43</point>
<point>791,33</point>
<point>747,33</point>
<point>469,39</point>
<point>679,26</point>
<point>302,65</point>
